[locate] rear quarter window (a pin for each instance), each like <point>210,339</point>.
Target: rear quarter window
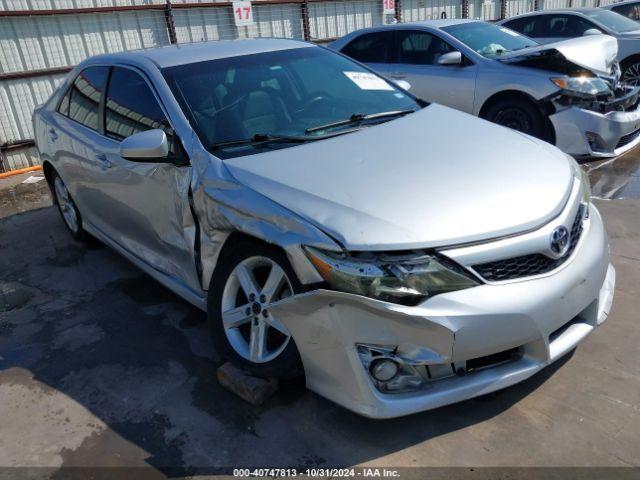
<point>85,95</point>
<point>370,47</point>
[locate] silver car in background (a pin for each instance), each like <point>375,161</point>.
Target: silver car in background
<point>567,93</point>
<point>628,8</point>
<point>547,26</point>
<point>330,223</point>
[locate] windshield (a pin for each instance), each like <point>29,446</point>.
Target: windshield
<point>612,20</point>
<point>489,40</point>
<point>241,105</point>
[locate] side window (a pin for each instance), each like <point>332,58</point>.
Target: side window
<point>525,25</point>
<point>131,107</point>
<point>630,10</point>
<point>370,47</point>
<point>565,26</point>
<point>63,107</point>
<point>85,95</point>
<point>420,48</point>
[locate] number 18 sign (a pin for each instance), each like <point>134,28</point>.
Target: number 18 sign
<point>388,7</point>
<point>243,14</point>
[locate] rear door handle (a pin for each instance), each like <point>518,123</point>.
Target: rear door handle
<point>104,161</point>
<point>53,134</point>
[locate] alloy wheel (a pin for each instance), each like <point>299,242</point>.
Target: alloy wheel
<point>631,75</point>
<point>66,206</point>
<point>253,331</point>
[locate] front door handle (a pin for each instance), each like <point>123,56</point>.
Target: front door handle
<point>104,161</point>
<point>397,75</point>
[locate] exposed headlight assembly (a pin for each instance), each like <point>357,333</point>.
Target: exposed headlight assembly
<point>584,86</point>
<point>406,279</point>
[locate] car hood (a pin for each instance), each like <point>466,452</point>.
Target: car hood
<point>433,178</point>
<point>594,52</point>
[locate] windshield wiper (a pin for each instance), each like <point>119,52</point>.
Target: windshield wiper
<point>359,117</point>
<point>265,138</point>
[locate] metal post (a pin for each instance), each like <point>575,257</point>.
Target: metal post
<point>306,29</point>
<point>168,17</point>
<point>536,4</point>
<point>503,9</point>
<point>398,5</point>
<point>465,8</point>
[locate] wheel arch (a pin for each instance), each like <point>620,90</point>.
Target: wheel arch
<point>293,255</point>
<point>630,58</point>
<point>49,172</point>
<point>544,106</point>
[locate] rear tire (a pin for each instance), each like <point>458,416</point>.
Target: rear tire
<point>518,114</point>
<point>67,208</point>
<point>249,278</point>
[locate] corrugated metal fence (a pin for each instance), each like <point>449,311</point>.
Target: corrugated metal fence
<point>40,40</point>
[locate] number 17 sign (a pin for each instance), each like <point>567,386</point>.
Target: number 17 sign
<point>243,13</point>
<point>388,7</point>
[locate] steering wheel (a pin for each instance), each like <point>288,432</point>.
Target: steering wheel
<point>315,101</point>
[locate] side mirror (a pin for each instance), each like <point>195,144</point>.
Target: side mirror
<point>450,58</point>
<point>403,84</point>
<point>147,146</point>
<point>591,31</point>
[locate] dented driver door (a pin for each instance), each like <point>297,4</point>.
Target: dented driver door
<point>144,205</point>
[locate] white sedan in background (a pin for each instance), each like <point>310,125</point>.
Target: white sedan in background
<point>546,26</point>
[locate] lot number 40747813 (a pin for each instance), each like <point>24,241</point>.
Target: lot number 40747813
<point>242,13</point>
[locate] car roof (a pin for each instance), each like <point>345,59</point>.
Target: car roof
<point>439,23</point>
<point>556,10</point>
<point>625,2</point>
<point>181,54</point>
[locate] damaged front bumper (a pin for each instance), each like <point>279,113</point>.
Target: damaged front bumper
<point>462,344</point>
<point>607,129</point>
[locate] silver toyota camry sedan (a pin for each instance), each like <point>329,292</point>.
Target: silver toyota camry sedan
<point>567,93</point>
<point>402,256</point>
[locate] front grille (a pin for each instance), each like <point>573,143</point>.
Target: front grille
<point>628,138</point>
<point>533,264</point>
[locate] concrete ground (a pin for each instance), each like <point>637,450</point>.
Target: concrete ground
<point>102,366</point>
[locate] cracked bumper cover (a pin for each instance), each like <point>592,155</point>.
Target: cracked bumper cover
<point>572,124</point>
<point>452,327</point>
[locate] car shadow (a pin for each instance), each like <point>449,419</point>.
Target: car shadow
<point>109,338</point>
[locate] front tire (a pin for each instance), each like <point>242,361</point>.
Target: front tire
<point>250,278</point>
<point>518,114</point>
<point>631,72</point>
<point>67,208</point>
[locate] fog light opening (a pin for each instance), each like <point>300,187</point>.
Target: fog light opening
<point>596,143</point>
<point>384,370</point>
<point>389,372</point>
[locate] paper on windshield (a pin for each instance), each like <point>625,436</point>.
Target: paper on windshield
<point>368,81</point>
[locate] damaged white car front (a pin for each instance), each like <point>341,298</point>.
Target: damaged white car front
<point>592,112</point>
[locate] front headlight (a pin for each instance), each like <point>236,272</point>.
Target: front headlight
<point>583,177</point>
<point>582,85</point>
<point>406,279</point>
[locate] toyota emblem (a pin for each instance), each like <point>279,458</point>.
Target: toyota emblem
<point>560,241</point>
